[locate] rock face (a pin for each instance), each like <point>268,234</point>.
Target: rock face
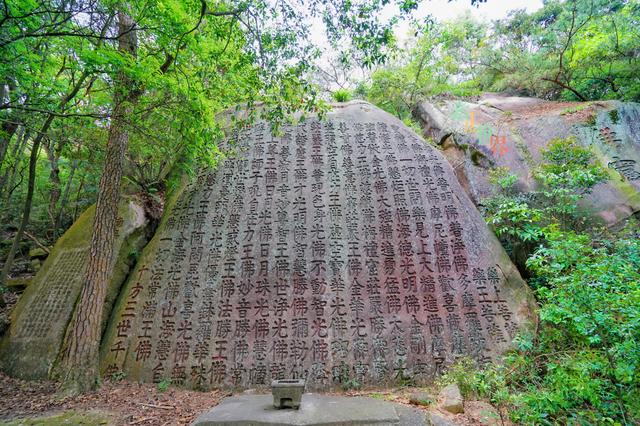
<point>343,252</point>
<point>512,131</point>
<point>39,320</point>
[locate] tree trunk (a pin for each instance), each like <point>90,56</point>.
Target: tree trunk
<point>33,161</point>
<point>7,130</point>
<point>32,177</point>
<point>65,199</point>
<point>11,184</point>
<point>78,192</point>
<point>56,184</point>
<point>9,126</point>
<point>16,155</point>
<point>567,87</point>
<point>78,363</point>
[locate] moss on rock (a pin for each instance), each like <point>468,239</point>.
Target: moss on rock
<point>39,320</point>
<point>71,417</point>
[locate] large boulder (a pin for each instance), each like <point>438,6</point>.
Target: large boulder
<point>342,251</point>
<point>504,131</point>
<point>39,320</point>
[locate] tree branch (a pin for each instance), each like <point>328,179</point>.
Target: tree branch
<point>566,86</point>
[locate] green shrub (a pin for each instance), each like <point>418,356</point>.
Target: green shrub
<point>586,358</point>
<point>567,174</point>
<point>413,125</point>
<point>341,95</point>
<point>118,376</point>
<point>583,365</point>
<point>163,385</point>
<point>502,177</point>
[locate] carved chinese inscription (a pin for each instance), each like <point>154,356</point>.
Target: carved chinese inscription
<point>337,251</point>
<point>626,168</point>
<point>50,303</point>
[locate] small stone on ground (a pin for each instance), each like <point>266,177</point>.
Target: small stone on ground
<point>451,399</point>
<point>420,398</point>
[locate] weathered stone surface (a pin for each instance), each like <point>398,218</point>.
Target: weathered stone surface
<point>420,398</point>
<point>341,252</point>
<point>412,416</point>
<point>435,124</point>
<point>436,419</point>
<point>451,399</point>
<point>39,320</point>
<point>245,410</point>
<point>482,412</point>
<point>511,132</point>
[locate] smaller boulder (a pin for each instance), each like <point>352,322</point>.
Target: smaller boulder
<point>451,399</point>
<point>420,398</point>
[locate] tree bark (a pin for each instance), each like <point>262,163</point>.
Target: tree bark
<point>11,185</point>
<point>78,363</point>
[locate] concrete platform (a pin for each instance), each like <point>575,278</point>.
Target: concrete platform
<point>325,410</point>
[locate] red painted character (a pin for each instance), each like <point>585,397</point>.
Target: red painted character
<point>498,145</point>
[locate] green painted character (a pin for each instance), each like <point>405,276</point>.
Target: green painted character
<point>484,133</point>
<point>460,111</point>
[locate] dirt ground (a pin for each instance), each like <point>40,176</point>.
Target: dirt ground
<point>123,403</point>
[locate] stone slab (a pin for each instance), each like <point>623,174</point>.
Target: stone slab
<point>249,410</point>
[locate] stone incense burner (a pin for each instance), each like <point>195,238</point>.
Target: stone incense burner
<point>287,393</point>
